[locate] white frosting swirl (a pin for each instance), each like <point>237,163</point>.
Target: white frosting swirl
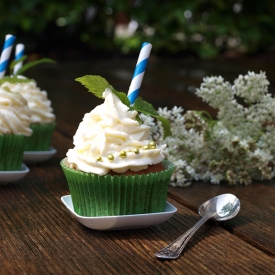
<point>15,116</point>
<point>107,130</point>
<point>40,106</point>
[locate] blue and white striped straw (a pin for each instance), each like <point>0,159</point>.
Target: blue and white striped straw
<point>5,55</point>
<point>139,71</point>
<point>19,52</point>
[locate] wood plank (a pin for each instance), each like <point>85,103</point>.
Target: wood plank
<point>52,235</point>
<point>255,223</point>
<point>40,237</point>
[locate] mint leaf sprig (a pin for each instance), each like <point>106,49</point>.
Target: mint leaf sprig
<point>28,65</point>
<point>14,79</point>
<point>147,108</point>
<point>97,85</point>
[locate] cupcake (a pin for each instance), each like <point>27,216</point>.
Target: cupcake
<point>15,119</point>
<point>114,168</point>
<point>42,117</point>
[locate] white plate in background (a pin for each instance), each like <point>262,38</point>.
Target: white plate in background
<point>123,221</point>
<point>11,176</point>
<point>32,157</point>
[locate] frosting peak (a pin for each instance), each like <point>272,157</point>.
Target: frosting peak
<point>40,106</point>
<point>15,116</point>
<point>110,138</point>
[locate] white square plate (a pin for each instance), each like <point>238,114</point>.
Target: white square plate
<point>11,176</point>
<point>32,157</point>
<point>123,221</point>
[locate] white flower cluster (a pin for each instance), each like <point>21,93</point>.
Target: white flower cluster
<point>238,146</point>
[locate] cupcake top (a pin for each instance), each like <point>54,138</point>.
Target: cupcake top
<point>111,138</point>
<point>15,116</point>
<point>38,102</point>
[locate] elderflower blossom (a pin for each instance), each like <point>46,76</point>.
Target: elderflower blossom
<point>238,146</point>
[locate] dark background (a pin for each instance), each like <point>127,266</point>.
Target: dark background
<point>82,29</point>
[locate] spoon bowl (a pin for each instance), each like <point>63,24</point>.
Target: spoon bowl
<point>220,208</point>
<point>224,207</point>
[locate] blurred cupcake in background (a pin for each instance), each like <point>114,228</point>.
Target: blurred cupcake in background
<point>15,120</point>
<point>42,117</point>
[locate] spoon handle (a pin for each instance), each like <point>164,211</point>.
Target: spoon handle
<point>174,249</point>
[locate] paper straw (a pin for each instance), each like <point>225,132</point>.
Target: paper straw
<point>139,71</point>
<point>19,52</point>
<point>5,55</point>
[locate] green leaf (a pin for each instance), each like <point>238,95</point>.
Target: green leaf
<point>14,62</point>
<point>14,80</point>
<point>165,125</point>
<point>97,85</point>
<point>146,108</point>
<point>33,63</point>
<point>123,98</point>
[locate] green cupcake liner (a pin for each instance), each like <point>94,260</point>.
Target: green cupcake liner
<point>11,151</point>
<point>40,139</point>
<point>94,195</point>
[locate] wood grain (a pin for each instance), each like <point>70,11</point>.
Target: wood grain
<point>39,236</point>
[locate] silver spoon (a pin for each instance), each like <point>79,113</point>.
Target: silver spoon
<point>221,208</point>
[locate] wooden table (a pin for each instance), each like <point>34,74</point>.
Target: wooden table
<point>38,236</point>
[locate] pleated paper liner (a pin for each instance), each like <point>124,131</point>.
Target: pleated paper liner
<point>41,137</point>
<point>11,151</point>
<point>95,195</point>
